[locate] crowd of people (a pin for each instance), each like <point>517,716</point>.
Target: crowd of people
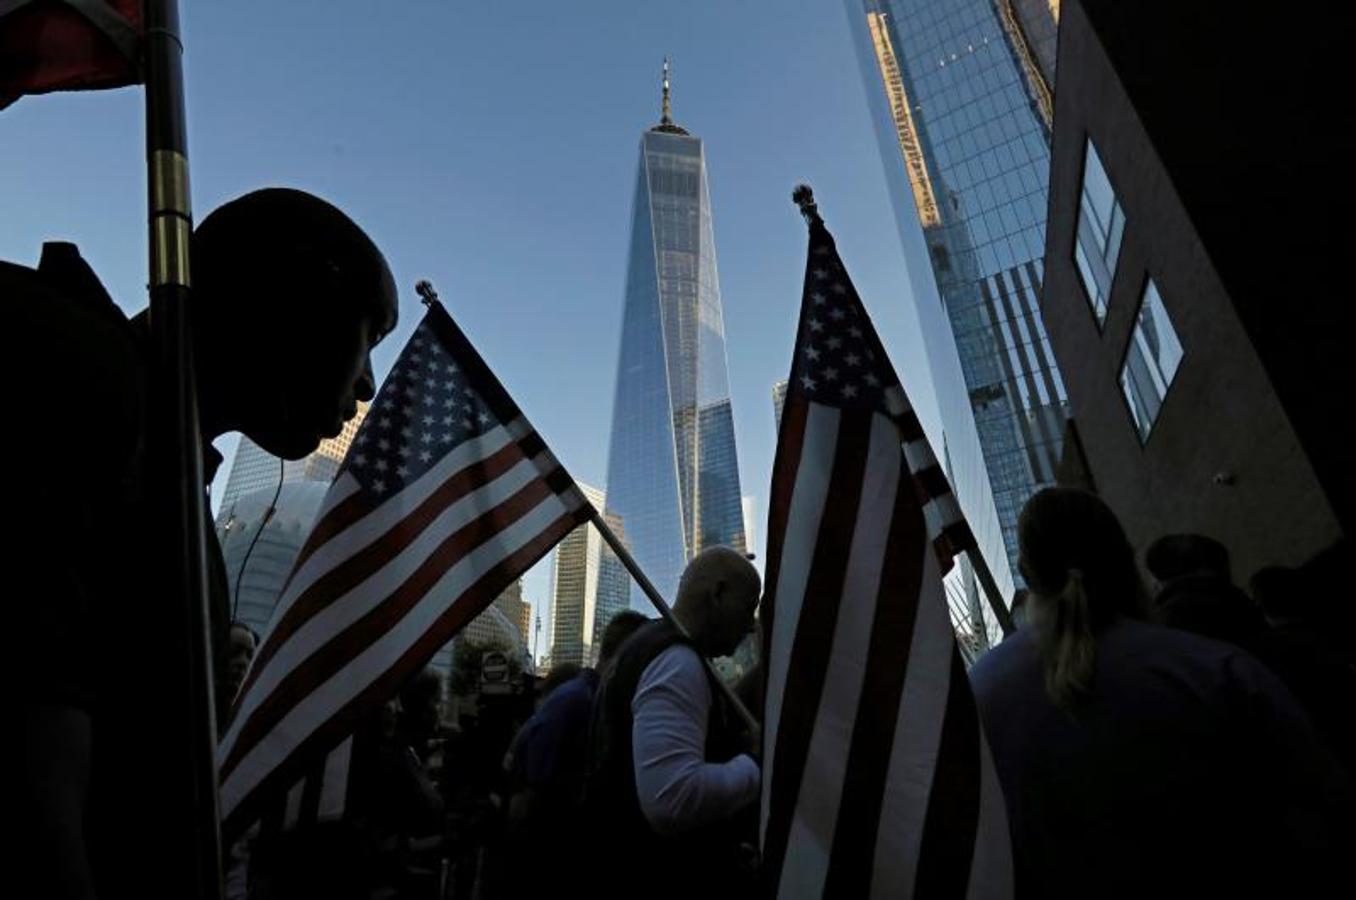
<point>1192,738</point>
<point>641,754</point>
<point>1181,736</point>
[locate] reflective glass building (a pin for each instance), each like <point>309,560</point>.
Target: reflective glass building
<point>260,549</point>
<point>576,626</point>
<point>672,478</point>
<point>961,97</point>
<point>254,468</point>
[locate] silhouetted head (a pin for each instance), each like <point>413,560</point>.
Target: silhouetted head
<point>1081,573</point>
<point>622,626</point>
<point>717,597</point>
<point>559,674</point>
<point>239,652</point>
<point>421,705</point>
<point>289,298</point>
<point>1183,555</point>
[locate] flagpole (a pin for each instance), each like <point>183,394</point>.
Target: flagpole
<point>804,199</point>
<point>666,613</point>
<point>189,841</point>
<point>986,581</point>
<point>429,296</point>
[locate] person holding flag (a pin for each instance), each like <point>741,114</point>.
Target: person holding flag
<point>287,284</point>
<point>446,496</point>
<point>135,529</point>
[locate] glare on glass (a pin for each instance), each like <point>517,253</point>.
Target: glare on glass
<point>1151,361</point>
<point>1101,224</point>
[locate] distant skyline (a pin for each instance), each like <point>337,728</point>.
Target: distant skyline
<point>494,155</point>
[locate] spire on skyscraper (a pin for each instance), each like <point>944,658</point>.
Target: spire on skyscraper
<point>666,116</point>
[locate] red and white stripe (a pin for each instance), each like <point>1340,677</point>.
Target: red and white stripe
<point>877,780</point>
<point>380,585</point>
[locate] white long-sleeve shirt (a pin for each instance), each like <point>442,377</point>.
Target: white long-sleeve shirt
<point>678,789</point>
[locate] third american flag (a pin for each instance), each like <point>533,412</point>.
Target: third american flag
<point>445,497</point>
<point>877,779</point>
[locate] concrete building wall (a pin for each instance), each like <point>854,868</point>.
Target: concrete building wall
<point>1223,457</point>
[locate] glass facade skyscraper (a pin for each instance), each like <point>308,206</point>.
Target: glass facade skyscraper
<point>672,477</point>
<point>254,468</point>
<point>960,94</point>
<point>576,626</point>
<point>260,548</point>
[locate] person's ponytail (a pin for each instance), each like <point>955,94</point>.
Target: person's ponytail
<point>1068,649</point>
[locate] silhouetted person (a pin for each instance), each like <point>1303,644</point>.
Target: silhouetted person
<point>1138,760</point>
<point>1197,594</point>
<point>669,783</point>
<point>1019,598</point>
<point>241,644</point>
<point>289,297</point>
<point>547,764</point>
<point>1281,596</point>
<point>559,676</point>
<point>1315,648</point>
<point>1196,591</point>
<point>1332,608</point>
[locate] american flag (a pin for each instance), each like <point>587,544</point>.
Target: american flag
<point>877,779</point>
<point>446,495</point>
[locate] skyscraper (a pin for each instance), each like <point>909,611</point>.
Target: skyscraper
<point>260,547</point>
<point>254,468</point>
<point>575,624</point>
<point>960,94</point>
<point>673,479</point>
<point>778,401</point>
<point>505,623</point>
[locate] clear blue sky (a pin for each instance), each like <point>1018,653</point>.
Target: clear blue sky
<point>492,148</point>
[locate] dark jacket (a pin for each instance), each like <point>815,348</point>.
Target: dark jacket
<point>95,630</point>
<point>640,861</point>
<point>1326,689</point>
<point>1189,771</point>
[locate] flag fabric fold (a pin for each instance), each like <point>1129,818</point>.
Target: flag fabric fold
<point>446,496</point>
<point>877,780</point>
<point>68,45</point>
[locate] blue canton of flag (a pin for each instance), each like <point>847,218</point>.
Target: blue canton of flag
<point>446,497</point>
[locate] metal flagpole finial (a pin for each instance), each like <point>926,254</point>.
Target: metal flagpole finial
<point>804,198</point>
<point>424,288</point>
<point>667,117</point>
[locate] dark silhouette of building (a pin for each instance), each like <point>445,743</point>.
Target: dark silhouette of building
<point>1194,291</point>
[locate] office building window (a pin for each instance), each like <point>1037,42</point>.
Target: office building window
<point>1101,224</point>
<point>1151,361</point>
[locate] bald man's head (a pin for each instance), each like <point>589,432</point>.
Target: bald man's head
<point>717,597</point>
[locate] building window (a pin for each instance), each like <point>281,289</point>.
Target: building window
<point>1101,224</point>
<point>1151,361</point>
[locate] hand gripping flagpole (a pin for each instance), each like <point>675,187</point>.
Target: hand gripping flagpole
<point>188,843</point>
<point>667,614</point>
<point>429,297</point>
<point>804,198</point>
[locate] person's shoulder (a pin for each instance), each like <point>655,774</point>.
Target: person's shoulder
<point>79,364</point>
<point>1215,668</point>
<point>1152,641</point>
<point>564,700</point>
<point>678,664</point>
<point>994,668</point>
<point>678,656</point>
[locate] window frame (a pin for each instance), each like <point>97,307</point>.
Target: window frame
<point>1144,436</point>
<point>1081,257</point>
